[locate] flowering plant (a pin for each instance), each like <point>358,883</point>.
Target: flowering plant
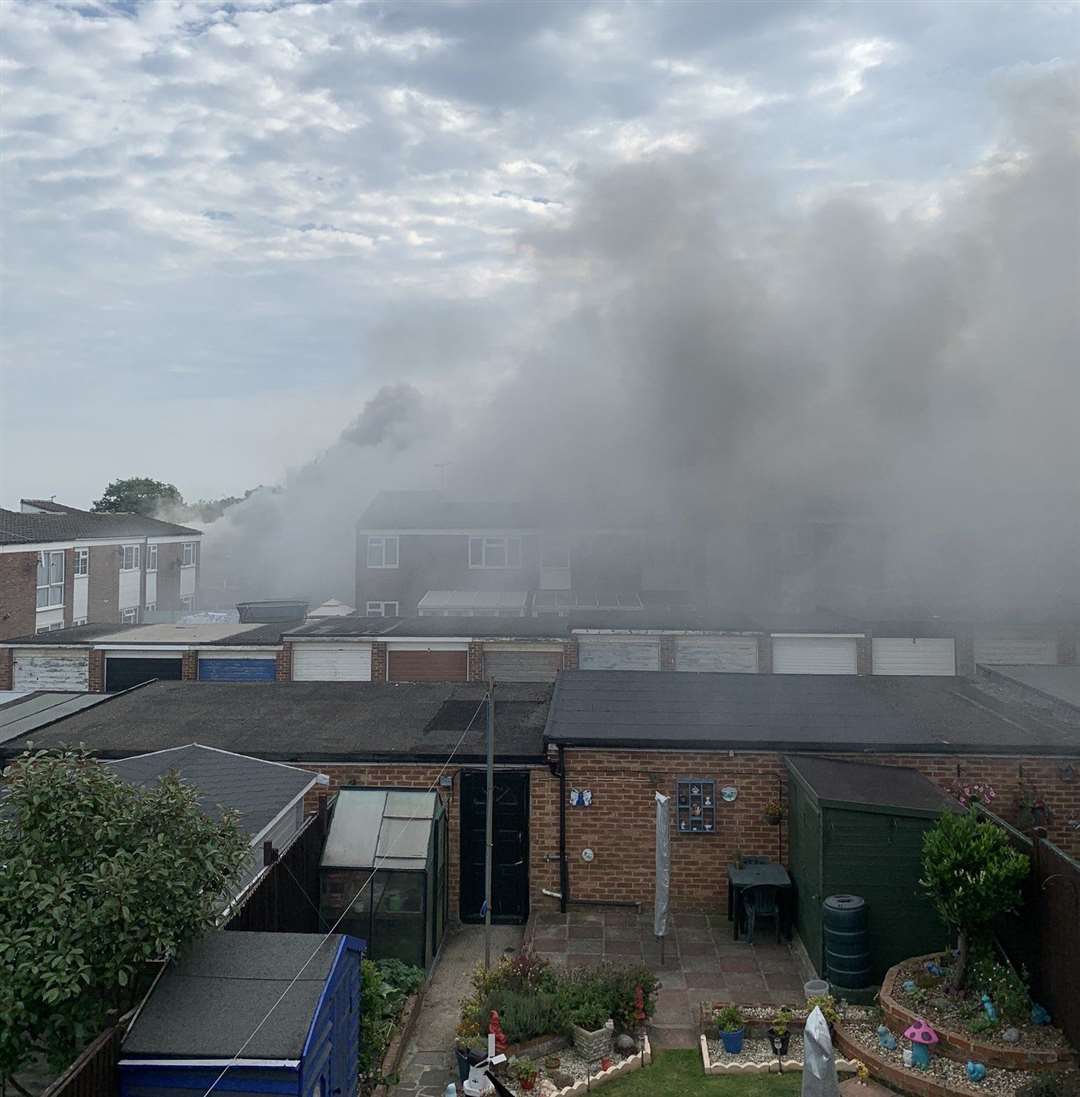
<point>976,792</point>
<point>775,810</point>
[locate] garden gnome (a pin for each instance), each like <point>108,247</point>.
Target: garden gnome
<point>495,1029</point>
<point>639,1007</point>
<point>976,1072</point>
<point>819,1071</point>
<point>886,1039</point>
<point>922,1037</point>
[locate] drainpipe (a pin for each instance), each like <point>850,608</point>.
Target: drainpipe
<point>564,869</point>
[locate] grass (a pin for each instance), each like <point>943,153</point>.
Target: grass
<point>679,1072</point>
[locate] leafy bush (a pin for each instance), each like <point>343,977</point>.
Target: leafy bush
<point>729,1019</point>
<point>384,987</point>
<point>1051,1084</point>
<point>971,874</point>
<point>1006,988</point>
<point>827,1004</point>
<point>524,1015</point>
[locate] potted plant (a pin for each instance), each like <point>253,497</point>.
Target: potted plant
<point>729,1022</point>
<point>525,1071</point>
<point>779,1034</point>
<point>774,813</point>
<point>827,1004</point>
<point>591,1028</point>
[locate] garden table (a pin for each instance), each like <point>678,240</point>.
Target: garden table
<point>738,879</point>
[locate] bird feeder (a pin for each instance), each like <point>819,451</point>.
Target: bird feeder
<point>922,1037</point>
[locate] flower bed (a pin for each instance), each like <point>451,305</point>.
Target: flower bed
<point>757,1057</point>
<point>859,1040</point>
<point>1039,1047</point>
<point>585,1074</point>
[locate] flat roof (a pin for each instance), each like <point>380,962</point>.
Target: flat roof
<point>103,634</point>
<point>862,785</point>
<point>41,708</point>
<point>309,721</point>
<point>797,712</point>
<point>1055,683</point>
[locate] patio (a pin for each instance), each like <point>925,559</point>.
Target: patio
<point>701,962</point>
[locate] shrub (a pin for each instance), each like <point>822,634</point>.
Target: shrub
<point>384,986</point>
<point>1006,988</point>
<point>827,1004</point>
<point>729,1019</point>
<point>971,874</point>
<point>782,1021</point>
<point>1051,1084</point>
<point>524,1016</point>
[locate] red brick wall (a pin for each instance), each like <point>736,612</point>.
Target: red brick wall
<point>475,657</point>
<point>283,660</point>
<point>18,594</point>
<point>378,662</point>
<point>103,590</point>
<point>96,672</point>
<point>7,659</point>
<point>569,655</point>
<point>189,666</point>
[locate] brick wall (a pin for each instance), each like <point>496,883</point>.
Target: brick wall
<point>283,664</point>
<point>378,662</point>
<point>864,655</point>
<point>18,594</point>
<point>97,672</point>
<point>168,576</point>
<point>667,652</point>
<point>569,654</point>
<point>103,589</point>
<point>189,666</point>
<point>69,585</point>
<point>7,660</point>
<point>764,654</point>
<point>475,662</point>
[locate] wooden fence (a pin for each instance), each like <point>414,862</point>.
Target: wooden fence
<point>94,1073</point>
<point>284,898</point>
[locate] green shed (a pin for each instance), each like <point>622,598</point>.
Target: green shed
<point>858,829</point>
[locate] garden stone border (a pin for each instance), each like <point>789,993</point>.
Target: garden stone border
<point>735,1067</point>
<point>403,1030</point>
<point>755,1027</point>
<point>904,1079</point>
<point>616,1070</point>
<point>960,1046</point>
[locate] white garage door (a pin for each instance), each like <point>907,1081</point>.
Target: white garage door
<point>331,663</point>
<point>1015,645</point>
<point>734,654</point>
<point>914,655</point>
<point>814,655</point>
<point>606,653</point>
<point>36,669</point>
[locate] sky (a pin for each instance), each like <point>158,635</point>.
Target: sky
<point>228,226</point>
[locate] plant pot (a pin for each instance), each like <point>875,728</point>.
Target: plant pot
<point>780,1044</point>
<point>527,1083</point>
<point>593,1045</point>
<point>733,1041</point>
<point>774,820</point>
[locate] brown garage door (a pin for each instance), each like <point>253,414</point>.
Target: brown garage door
<point>428,666</point>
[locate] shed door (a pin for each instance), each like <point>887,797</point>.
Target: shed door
<point>1015,645</point>
<point>331,663</point>
<point>428,666</point>
<point>43,669</point>
<point>237,668</point>
<point>914,655</point>
<point>813,655</point>
<point>716,653</point>
<point>510,855</point>
<point>522,666</point>
<point>607,653</point>
<point>123,673</point>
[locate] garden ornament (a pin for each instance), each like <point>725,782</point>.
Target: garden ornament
<point>989,1007</point>
<point>1011,1035</point>
<point>819,1070</point>
<point>450,1091</point>
<point>1039,1015</point>
<point>934,968</point>
<point>495,1029</point>
<point>976,1072</point>
<point>886,1039</point>
<point>908,985</point>
<point>922,1037</point>
<point>907,1056</point>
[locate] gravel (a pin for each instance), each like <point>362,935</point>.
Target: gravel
<point>569,1062</point>
<point>754,1051</point>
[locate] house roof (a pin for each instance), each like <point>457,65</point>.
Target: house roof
<point>861,785</point>
<point>257,789</point>
<point>404,510</point>
<point>31,711</point>
<point>797,712</point>
<point>69,524</point>
<point>214,995</point>
<point>310,721</point>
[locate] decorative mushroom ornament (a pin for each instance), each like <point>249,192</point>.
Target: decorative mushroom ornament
<point>922,1036</point>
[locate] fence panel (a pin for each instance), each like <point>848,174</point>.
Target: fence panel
<point>1057,910</point>
<point>94,1073</point>
<point>285,897</point>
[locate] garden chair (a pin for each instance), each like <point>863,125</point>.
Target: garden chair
<point>760,901</point>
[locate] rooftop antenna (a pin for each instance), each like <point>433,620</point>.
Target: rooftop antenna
<point>442,466</point>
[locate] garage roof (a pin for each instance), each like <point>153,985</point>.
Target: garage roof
<point>37,710</point>
<point>859,785</point>
<point>797,712</point>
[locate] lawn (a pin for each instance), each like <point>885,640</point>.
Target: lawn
<point>679,1072</point>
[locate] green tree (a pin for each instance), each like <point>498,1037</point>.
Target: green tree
<point>971,874</point>
<point>138,495</point>
<point>97,878</point>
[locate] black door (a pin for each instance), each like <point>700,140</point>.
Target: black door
<point>125,673</point>
<point>510,854</point>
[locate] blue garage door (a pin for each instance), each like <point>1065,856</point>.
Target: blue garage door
<point>237,670</point>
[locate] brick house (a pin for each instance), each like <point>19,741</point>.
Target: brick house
<point>621,736</point>
<point>61,567</point>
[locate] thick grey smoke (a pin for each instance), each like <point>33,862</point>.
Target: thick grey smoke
<point>702,350</point>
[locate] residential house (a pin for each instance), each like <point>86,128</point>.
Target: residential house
<point>61,567</point>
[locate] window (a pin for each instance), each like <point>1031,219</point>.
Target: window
<point>129,616</point>
<point>151,557</point>
<point>695,806</point>
<point>151,607</point>
<point>187,603</point>
<point>129,558</point>
<point>78,621</point>
<point>56,625</point>
<point>382,609</point>
<point>82,561</point>
<point>191,555</point>
<point>50,579</point>
<point>494,552</point>
<point>382,552</point>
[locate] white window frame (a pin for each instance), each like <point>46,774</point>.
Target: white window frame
<point>381,609</point>
<point>78,621</point>
<point>499,553</point>
<point>54,627</point>
<point>129,616</point>
<point>151,557</point>
<point>82,561</point>
<point>190,554</point>
<point>151,607</point>
<point>187,603</point>
<point>129,557</point>
<point>52,587</point>
<point>382,552</point>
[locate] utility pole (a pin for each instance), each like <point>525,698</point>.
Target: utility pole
<point>490,820</point>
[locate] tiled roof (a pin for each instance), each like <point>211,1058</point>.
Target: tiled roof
<point>68,524</point>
